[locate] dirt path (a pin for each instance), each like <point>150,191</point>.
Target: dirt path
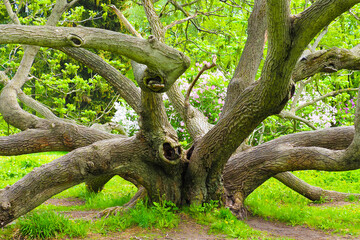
<point>278,229</point>
<point>189,229</point>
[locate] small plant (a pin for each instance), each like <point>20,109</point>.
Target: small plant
<point>352,198</point>
<point>321,200</point>
<point>195,209</point>
<point>160,215</point>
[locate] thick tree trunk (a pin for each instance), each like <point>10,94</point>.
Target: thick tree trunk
<point>154,158</point>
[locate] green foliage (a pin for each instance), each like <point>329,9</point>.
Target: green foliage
<point>69,89</point>
<point>160,215</point>
<point>221,220</point>
<point>48,224</point>
<point>272,200</point>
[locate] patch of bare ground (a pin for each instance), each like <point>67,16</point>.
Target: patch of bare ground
<point>189,229</point>
<point>85,215</point>
<point>65,201</point>
<point>331,204</point>
<point>278,229</point>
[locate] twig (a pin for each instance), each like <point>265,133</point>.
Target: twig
<point>70,4</point>
<point>331,94</point>
<point>178,6</point>
<point>231,5</point>
<point>354,15</point>
<point>124,21</point>
<point>203,69</point>
<point>285,114</point>
<point>180,21</point>
<point>318,39</point>
<point>190,3</point>
<point>108,108</point>
<point>298,94</point>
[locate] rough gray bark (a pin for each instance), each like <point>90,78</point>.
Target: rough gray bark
<point>320,150</point>
<point>153,158</point>
<point>163,61</point>
<point>248,65</point>
<point>327,61</point>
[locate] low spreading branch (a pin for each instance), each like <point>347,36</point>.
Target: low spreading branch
<point>311,192</point>
<point>101,158</point>
<point>321,150</point>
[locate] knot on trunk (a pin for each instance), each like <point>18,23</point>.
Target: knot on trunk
<point>150,80</point>
<point>170,153</point>
<point>5,205</point>
<point>75,40</point>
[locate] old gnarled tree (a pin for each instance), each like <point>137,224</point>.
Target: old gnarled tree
<point>213,168</point>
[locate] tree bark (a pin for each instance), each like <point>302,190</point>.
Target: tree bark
<point>104,157</point>
<point>164,61</point>
<point>326,61</point>
<point>317,150</point>
<point>311,192</point>
<point>154,158</point>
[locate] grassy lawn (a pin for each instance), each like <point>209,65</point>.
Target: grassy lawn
<point>271,201</point>
<point>275,201</point>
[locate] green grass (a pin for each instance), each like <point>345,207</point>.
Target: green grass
<point>271,201</point>
<point>222,221</point>
<point>48,224</point>
<point>274,201</point>
<point>159,216</point>
<point>15,167</point>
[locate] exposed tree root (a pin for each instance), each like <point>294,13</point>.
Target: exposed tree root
<point>236,205</point>
<point>141,194</point>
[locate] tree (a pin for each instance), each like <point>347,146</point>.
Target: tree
<point>216,166</point>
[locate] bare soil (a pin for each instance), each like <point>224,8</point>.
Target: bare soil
<point>65,202</point>
<point>278,229</point>
<point>189,229</point>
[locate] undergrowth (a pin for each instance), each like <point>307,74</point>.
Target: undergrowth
<point>272,201</point>
<point>48,224</point>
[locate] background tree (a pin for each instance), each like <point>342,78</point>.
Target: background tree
<point>213,167</point>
